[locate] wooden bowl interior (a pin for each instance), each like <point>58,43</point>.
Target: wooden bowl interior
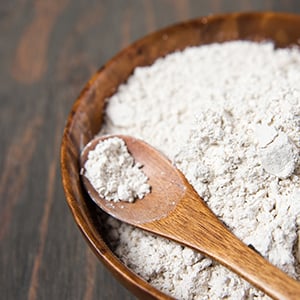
<point>85,118</point>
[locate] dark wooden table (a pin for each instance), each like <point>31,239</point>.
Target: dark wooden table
<point>48,50</point>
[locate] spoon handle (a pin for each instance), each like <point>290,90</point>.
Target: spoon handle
<point>194,225</point>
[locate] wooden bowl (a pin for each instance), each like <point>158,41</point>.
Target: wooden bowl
<point>85,118</point>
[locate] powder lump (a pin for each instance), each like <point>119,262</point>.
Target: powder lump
<point>201,107</point>
<point>278,154</point>
<point>113,173</point>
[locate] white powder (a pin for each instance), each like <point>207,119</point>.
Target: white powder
<point>279,156</point>
<point>202,108</point>
<point>113,173</point>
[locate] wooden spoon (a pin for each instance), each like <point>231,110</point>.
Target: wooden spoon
<point>175,211</point>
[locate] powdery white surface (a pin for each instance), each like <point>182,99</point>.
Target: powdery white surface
<point>113,173</point>
<point>201,107</point>
<point>278,154</point>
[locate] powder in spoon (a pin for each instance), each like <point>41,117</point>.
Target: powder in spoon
<point>112,171</point>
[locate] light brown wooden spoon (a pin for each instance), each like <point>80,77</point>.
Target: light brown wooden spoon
<point>174,210</point>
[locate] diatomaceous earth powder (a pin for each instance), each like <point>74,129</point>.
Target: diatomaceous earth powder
<point>113,172</point>
<point>228,115</point>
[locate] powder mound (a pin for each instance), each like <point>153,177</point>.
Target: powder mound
<point>114,174</point>
<point>228,116</point>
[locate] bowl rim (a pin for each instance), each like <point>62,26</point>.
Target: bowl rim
<point>129,278</point>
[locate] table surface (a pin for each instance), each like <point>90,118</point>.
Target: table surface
<point>48,50</point>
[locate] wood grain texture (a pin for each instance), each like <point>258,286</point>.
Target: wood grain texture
<point>48,50</point>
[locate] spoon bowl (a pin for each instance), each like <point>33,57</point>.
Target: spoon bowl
<point>151,208</point>
<point>174,210</point>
